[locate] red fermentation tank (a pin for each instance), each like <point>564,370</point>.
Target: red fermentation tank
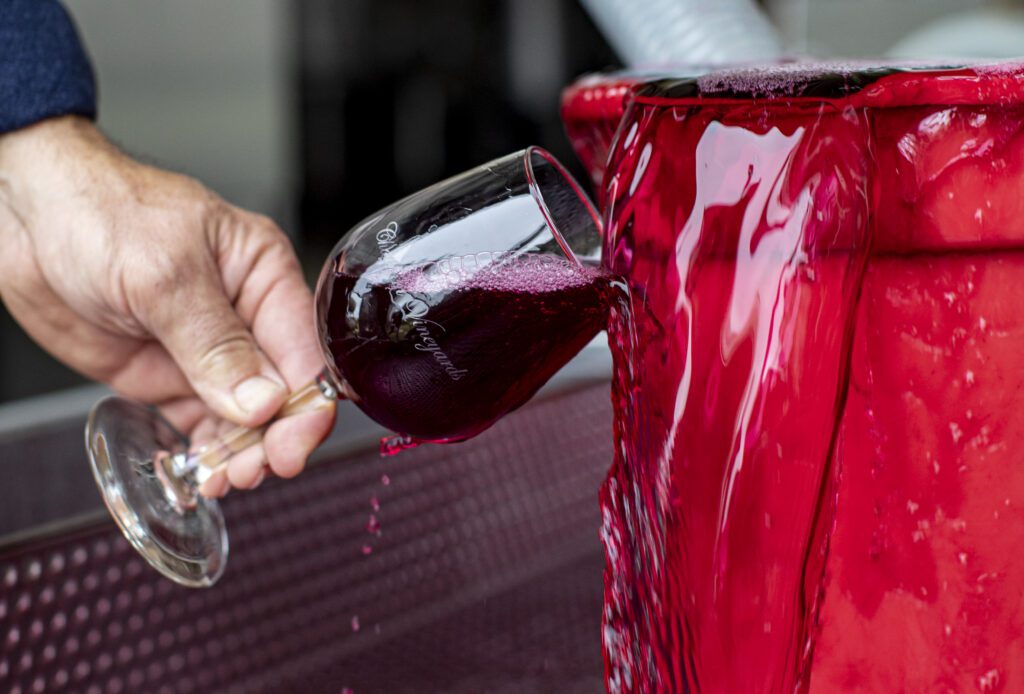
<point>817,483</point>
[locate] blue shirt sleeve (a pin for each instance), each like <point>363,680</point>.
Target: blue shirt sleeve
<point>44,70</point>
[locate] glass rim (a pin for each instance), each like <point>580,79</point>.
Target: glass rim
<point>538,196</point>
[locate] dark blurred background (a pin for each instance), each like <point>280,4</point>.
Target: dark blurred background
<point>318,112</point>
<point>395,95</point>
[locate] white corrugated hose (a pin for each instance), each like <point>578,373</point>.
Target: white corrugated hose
<point>648,33</point>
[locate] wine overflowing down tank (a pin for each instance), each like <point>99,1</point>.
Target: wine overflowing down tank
<point>817,424</point>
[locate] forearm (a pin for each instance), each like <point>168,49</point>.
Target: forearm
<point>47,98</point>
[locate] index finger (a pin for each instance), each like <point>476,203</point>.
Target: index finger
<point>273,298</point>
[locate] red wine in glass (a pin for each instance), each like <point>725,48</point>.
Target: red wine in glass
<point>440,355</point>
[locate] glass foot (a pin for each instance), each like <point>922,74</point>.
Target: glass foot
<point>181,534</point>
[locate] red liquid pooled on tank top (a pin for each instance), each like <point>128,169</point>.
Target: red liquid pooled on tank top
<point>817,484</point>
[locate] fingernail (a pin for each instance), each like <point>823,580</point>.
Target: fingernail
<point>255,392</point>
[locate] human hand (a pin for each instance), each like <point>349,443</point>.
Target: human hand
<point>147,281</point>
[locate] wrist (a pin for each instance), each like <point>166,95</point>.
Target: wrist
<point>39,161</point>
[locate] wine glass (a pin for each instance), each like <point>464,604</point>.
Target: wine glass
<point>436,316</point>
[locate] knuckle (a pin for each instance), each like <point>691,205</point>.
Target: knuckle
<point>265,224</point>
<point>260,226</point>
<point>210,205</point>
<point>281,248</point>
<point>152,280</point>
<point>275,242</point>
<point>192,189</point>
<point>284,257</point>
<point>274,253</point>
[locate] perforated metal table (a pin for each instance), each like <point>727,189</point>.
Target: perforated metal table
<point>485,577</point>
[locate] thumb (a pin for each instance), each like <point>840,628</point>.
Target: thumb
<point>201,330</point>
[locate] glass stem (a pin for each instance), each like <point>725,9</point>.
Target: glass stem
<point>210,458</point>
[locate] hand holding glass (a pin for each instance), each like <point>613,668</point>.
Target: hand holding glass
<point>436,316</point>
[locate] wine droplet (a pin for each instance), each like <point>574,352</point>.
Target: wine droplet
<point>392,445</point>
